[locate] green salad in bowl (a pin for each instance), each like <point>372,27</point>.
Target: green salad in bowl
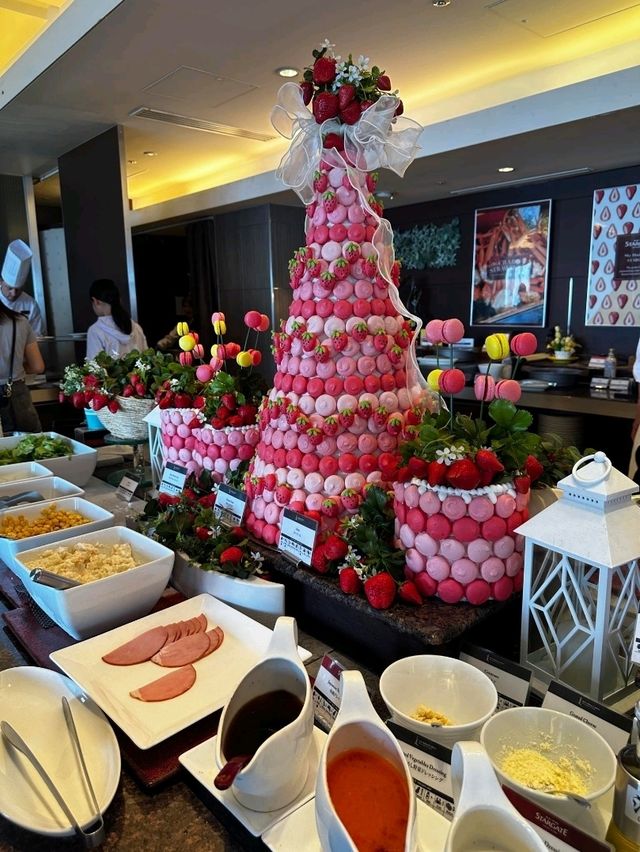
<point>36,448</point>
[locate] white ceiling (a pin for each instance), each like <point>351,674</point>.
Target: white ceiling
<point>216,61</point>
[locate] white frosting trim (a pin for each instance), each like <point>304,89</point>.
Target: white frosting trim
<point>443,491</point>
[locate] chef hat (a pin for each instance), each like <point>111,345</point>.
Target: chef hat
<point>16,263</point>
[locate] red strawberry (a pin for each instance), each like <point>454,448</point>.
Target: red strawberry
<point>320,181</point>
<point>349,581</point>
<point>522,484</point>
<point>437,474</point>
<point>307,92</point>
<point>229,400</point>
<point>394,424</point>
<point>487,460</point>
<point>309,341</point>
<point>380,590</point>
<point>380,416</point>
<point>384,83</point>
<point>282,494</point>
<point>409,593</point>
<point>330,201</point>
<point>335,547</point>
<point>270,481</point>
<point>231,554</point>
<point>395,354</point>
<point>128,390</point>
<point>292,414</point>
<point>334,140</point>
<point>322,353</point>
<point>351,252</point>
<point>199,401</point>
<point>314,434</point>
<point>403,338</point>
<point>298,329</point>
<point>303,423</point>
<point>350,499</point>
<point>486,477</point>
<point>339,340</point>
<point>319,560</point>
<point>463,474</point>
<point>380,341</point>
<point>360,331</point>
<point>351,113</point>
<point>413,416</point>
<point>403,474</point>
<point>99,401</point>
<point>399,108</point>
<point>113,406</point>
<point>419,467</point>
<point>313,266</point>
<point>370,266</point>
<point>365,105</point>
<point>341,268</point>
<point>364,409</point>
<point>346,417</point>
<point>203,533</point>
<point>328,280</point>
<point>183,400</point>
<point>330,507</point>
<point>372,181</point>
<point>388,464</point>
<point>346,93</point>
<point>330,425</point>
<point>324,70</point>
<point>533,468</point>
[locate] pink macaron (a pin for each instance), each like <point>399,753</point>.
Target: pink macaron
<point>481,509</point>
<point>494,528</point>
<point>478,592</point>
<point>324,307</point>
<point>347,462</point>
<point>309,463</point>
<point>451,549</point>
<point>466,529</point>
<point>430,502</point>
<point>513,564</point>
<point>407,536</point>
<point>492,569</point>
<point>347,442</point>
<point>479,550</point>
<point>505,506</point>
<point>464,571</point>
<point>504,587</point>
<point>438,568</point>
<point>454,508</point>
<point>450,591</point>
<point>504,547</point>
<point>438,526</point>
<point>414,561</point>
<point>343,309</point>
<point>426,545</point>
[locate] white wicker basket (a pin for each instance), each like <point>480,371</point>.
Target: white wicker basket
<point>128,421</point>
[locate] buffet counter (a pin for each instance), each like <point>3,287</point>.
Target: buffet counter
<point>575,401</point>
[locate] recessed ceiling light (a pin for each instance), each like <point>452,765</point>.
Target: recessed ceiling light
<point>132,162</point>
<point>150,153</point>
<point>439,4</point>
<point>287,72</point>
<point>506,169</point>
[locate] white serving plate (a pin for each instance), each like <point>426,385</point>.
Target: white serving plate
<point>147,724</point>
<point>51,488</point>
<point>297,832</point>
<point>99,519</point>
<point>256,597</point>
<point>200,762</point>
<point>76,468</point>
<point>31,700</point>
<point>23,472</point>
<point>101,605</point>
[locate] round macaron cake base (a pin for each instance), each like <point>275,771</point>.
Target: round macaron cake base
<point>462,544</point>
<point>189,441</point>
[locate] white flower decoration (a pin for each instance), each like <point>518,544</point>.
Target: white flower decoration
<point>328,46</point>
<point>363,62</point>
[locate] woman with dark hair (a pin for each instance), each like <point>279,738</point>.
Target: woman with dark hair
<point>114,332</point>
<point>18,349</point>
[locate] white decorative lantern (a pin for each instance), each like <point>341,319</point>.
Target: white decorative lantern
<point>156,458</point>
<point>581,583</point>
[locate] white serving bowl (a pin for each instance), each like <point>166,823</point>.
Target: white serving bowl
<point>76,467</point>
<point>51,488</point>
<point>527,727</point>
<point>100,605</point>
<point>458,690</point>
<point>98,519</point>
<point>22,471</point>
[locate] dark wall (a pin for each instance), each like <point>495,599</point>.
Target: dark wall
<point>161,266</point>
<point>447,292</point>
<point>93,209</point>
<point>13,217</point>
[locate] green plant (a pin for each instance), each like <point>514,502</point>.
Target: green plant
<point>428,246</point>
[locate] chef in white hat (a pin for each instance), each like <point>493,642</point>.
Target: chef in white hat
<point>14,273</point>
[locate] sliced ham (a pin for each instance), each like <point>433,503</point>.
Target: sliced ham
<point>202,618</point>
<point>215,640</point>
<point>168,686</point>
<point>138,650</point>
<point>184,651</point>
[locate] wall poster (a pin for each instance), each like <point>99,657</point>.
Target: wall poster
<point>613,289</point>
<point>511,264</point>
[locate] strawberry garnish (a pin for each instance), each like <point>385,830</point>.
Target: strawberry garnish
<point>380,590</point>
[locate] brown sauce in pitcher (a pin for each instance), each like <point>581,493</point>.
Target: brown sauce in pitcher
<point>258,719</point>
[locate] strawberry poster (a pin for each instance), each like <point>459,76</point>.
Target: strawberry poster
<point>613,292</point>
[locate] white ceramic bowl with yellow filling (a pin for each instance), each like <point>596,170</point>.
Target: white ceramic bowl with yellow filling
<point>521,740</point>
<point>451,687</point>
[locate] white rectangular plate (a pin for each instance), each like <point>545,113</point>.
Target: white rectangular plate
<point>297,832</point>
<point>201,763</point>
<point>149,723</point>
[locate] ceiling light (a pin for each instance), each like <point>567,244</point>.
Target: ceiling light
<point>197,124</point>
<point>439,4</point>
<point>287,72</point>
<point>48,174</point>
<point>132,162</point>
<point>150,153</point>
<point>506,169</point>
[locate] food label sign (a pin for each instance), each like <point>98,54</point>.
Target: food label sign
<point>230,505</point>
<point>614,727</point>
<point>327,692</point>
<point>173,479</point>
<point>127,487</point>
<point>430,767</point>
<point>510,679</point>
<point>297,536</point>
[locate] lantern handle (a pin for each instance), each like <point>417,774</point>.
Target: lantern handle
<point>599,458</point>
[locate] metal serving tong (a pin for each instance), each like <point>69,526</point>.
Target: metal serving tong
<point>23,497</point>
<point>96,835</point>
<point>48,578</point>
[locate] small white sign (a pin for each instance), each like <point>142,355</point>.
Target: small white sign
<point>327,692</point>
<point>173,479</point>
<point>230,505</point>
<point>635,648</point>
<point>614,727</point>
<point>127,487</point>
<point>510,679</point>
<point>297,535</point>
<point>430,767</point>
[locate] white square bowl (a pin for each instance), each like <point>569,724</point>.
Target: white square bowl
<point>22,471</point>
<point>76,467</point>
<point>94,607</point>
<point>51,488</point>
<point>98,519</point>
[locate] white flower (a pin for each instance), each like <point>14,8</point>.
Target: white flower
<point>173,384</point>
<point>141,366</point>
<point>257,557</point>
<point>328,46</point>
<point>363,62</point>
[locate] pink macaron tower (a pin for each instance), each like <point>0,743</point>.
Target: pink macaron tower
<point>347,384</point>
